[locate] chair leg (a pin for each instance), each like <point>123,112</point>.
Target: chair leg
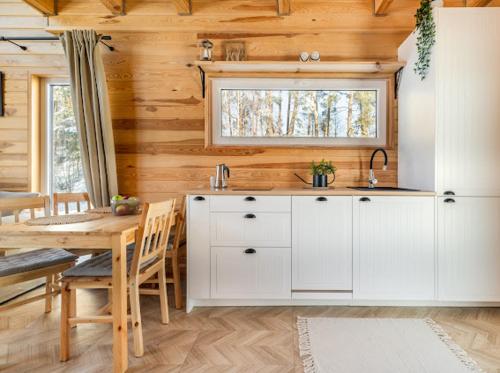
<point>72,304</point>
<point>135,310</point>
<point>64,336</point>
<point>177,282</point>
<point>162,282</point>
<point>48,293</point>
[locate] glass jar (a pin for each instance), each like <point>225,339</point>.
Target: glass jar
<point>206,47</point>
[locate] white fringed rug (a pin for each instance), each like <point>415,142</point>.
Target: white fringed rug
<point>355,345</point>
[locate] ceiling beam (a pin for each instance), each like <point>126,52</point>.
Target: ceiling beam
<point>283,7</point>
<point>46,7</point>
<point>380,7</point>
<point>477,2</point>
<point>184,7</point>
<point>117,7</point>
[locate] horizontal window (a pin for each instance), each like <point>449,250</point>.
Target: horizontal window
<point>262,111</point>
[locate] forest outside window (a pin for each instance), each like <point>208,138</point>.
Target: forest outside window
<point>63,164</point>
<point>311,112</point>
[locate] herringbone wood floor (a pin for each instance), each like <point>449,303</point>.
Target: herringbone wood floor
<point>229,339</point>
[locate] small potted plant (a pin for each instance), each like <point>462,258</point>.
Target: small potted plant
<point>320,172</point>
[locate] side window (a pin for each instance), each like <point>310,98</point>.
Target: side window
<point>63,163</point>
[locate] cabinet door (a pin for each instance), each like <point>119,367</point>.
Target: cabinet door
<point>468,96</point>
<point>394,248</point>
<point>198,247</point>
<point>469,249</point>
<point>321,243</point>
<point>250,229</point>
<point>244,273</point>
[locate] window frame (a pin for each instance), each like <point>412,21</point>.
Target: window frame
<point>383,83</point>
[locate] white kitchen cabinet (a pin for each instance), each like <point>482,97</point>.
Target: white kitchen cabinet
<point>322,243</point>
<point>469,249</point>
<point>449,132</point>
<point>198,247</point>
<point>393,256</point>
<point>468,92</point>
<point>250,273</point>
<point>250,229</point>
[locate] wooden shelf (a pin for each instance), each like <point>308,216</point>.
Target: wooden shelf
<point>302,67</point>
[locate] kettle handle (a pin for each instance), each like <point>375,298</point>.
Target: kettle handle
<point>226,169</point>
<point>329,182</point>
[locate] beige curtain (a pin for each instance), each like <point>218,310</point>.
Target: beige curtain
<point>89,94</point>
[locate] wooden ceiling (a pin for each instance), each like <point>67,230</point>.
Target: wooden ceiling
<point>184,7</point>
<point>46,7</point>
<point>116,7</point>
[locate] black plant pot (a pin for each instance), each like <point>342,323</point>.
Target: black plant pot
<point>320,181</point>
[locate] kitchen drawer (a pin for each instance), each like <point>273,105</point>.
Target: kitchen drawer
<point>240,273</point>
<point>250,203</point>
<point>250,229</point>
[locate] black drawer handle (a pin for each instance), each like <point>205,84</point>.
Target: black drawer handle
<point>449,200</point>
<point>321,199</point>
<point>249,216</point>
<point>199,198</point>
<point>250,251</point>
<point>250,199</point>
<point>365,199</point>
<point>449,193</point>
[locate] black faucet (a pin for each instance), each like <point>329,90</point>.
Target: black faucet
<point>372,180</point>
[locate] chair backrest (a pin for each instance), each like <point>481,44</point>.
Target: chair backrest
<point>68,198</point>
<point>152,236</point>
<point>14,206</point>
<point>180,225</point>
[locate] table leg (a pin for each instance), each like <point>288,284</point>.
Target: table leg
<point>119,303</point>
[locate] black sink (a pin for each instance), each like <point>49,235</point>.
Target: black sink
<point>381,189</point>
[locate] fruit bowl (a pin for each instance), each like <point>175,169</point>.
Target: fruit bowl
<point>124,205</point>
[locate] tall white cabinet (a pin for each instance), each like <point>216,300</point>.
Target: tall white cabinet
<point>449,123</point>
<point>449,141</point>
<point>467,102</point>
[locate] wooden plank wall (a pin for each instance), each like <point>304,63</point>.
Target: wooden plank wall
<point>155,91</point>
<point>42,58</point>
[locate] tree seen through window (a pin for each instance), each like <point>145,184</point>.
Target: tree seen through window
<point>299,113</point>
<point>67,172</point>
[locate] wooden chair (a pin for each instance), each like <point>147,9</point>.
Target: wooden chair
<point>36,264</point>
<point>68,198</point>
<point>176,244</point>
<point>174,251</point>
<point>145,260</point>
<point>77,199</point>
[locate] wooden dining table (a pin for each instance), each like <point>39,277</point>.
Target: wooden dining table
<point>109,232</point>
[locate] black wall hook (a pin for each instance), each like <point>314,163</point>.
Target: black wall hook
<point>24,48</point>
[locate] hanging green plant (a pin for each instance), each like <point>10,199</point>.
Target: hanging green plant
<point>426,38</point>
